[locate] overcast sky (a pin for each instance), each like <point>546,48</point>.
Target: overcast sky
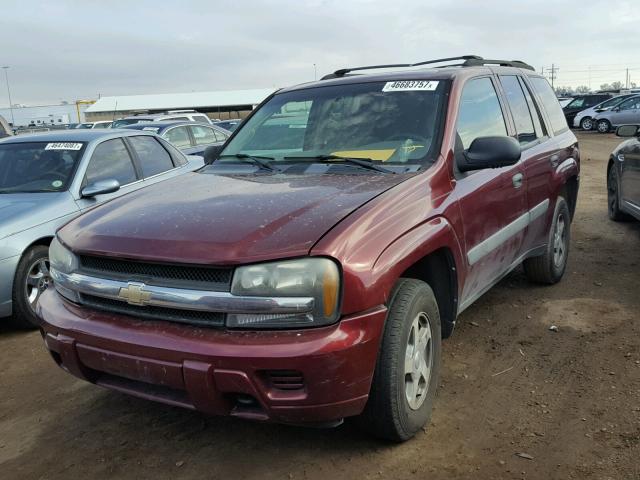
<point>68,50</point>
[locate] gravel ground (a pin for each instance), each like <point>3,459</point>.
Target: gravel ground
<point>516,400</point>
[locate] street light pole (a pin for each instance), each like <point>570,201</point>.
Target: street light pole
<point>6,77</point>
<point>315,72</point>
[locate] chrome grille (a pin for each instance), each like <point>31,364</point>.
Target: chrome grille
<point>150,312</point>
<point>197,277</point>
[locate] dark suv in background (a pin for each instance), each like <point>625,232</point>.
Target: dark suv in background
<point>309,273</point>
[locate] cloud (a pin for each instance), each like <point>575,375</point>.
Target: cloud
<point>77,49</point>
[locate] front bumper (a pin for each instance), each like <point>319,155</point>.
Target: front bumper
<point>7,273</point>
<point>305,376</point>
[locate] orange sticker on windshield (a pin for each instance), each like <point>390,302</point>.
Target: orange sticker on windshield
<point>382,154</point>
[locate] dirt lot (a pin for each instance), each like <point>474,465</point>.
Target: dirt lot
<point>569,399</point>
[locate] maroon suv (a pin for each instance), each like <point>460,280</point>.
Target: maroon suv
<point>309,272</point>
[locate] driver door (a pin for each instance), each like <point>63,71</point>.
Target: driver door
<point>492,201</point>
<point>110,160</point>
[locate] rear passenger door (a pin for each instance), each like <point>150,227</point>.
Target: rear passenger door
<point>492,201</point>
<point>110,160</point>
<point>531,133</point>
<point>556,146</point>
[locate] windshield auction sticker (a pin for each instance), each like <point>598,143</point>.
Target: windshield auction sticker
<point>410,86</point>
<point>63,146</point>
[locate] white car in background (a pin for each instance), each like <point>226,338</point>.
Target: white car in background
<point>170,116</point>
<point>92,125</point>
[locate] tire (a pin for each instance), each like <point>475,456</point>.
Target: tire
<point>549,267</point>
<point>31,279</point>
<point>399,405</point>
<point>613,196</point>
<point>603,126</point>
<point>586,123</point>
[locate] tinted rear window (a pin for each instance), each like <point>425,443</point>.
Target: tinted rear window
<point>551,105</point>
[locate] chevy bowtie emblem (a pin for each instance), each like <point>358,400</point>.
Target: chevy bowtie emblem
<point>134,294</point>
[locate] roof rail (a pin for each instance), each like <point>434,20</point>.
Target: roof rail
<point>469,61</point>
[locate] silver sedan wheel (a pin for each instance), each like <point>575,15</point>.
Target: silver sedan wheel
<point>37,281</point>
<point>587,124</point>
<point>559,241</point>
<point>418,362</point>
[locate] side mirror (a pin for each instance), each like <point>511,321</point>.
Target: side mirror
<point>627,131</point>
<point>100,188</point>
<point>491,152</point>
<point>211,154</point>
<point>616,109</point>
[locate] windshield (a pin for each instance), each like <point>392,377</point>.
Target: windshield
<point>38,166</point>
<point>390,122</point>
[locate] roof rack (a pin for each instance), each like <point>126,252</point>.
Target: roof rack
<point>469,61</point>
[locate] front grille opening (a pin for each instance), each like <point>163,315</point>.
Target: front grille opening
<point>160,393</point>
<point>191,317</point>
<point>198,277</point>
<point>285,379</point>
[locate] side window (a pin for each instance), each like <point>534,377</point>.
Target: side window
<point>550,102</point>
<point>630,104</point>
<point>480,114</point>
<point>203,135</point>
<point>153,157</point>
<point>519,109</point>
<point>541,129</point>
<point>111,160</point>
<point>577,103</point>
<point>201,118</point>
<point>179,136</point>
<point>220,137</point>
<point>176,119</point>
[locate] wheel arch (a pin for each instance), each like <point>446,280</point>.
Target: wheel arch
<point>431,253</point>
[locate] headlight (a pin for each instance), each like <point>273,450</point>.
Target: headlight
<point>64,261</point>
<point>317,278</point>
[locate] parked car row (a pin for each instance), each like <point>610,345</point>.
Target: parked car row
<point>605,116</point>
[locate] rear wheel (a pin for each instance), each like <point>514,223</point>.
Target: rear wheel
<point>31,279</point>
<point>549,267</point>
<point>406,376</point>
<point>603,126</point>
<point>586,123</point>
<point>613,196</point>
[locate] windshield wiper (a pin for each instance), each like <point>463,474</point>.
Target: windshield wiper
<point>361,162</point>
<point>258,160</point>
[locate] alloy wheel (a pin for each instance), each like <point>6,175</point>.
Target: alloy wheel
<point>587,124</point>
<point>559,241</point>
<point>603,127</point>
<point>37,281</point>
<point>418,362</point>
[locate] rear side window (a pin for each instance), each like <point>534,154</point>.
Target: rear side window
<point>153,157</point>
<point>111,161</point>
<point>203,135</point>
<point>179,136</point>
<point>220,137</point>
<point>176,119</point>
<point>480,114</point>
<point>519,109</point>
<point>201,118</point>
<point>631,104</point>
<point>550,103</point>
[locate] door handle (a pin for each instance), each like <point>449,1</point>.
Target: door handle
<point>517,180</point>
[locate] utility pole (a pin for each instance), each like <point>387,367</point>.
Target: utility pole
<point>553,74</point>
<point>6,77</point>
<point>627,78</point>
<point>315,72</point>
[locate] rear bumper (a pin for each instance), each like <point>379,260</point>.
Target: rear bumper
<point>304,376</point>
<point>7,273</point>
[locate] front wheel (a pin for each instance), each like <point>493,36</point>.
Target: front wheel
<point>406,375</point>
<point>603,126</point>
<point>550,266</point>
<point>586,123</point>
<point>31,279</point>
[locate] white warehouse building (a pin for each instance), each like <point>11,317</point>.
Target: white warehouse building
<point>219,104</point>
<point>42,115</point>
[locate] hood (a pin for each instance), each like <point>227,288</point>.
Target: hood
<point>21,211</point>
<point>223,219</point>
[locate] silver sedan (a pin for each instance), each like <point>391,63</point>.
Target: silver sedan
<point>48,179</point>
